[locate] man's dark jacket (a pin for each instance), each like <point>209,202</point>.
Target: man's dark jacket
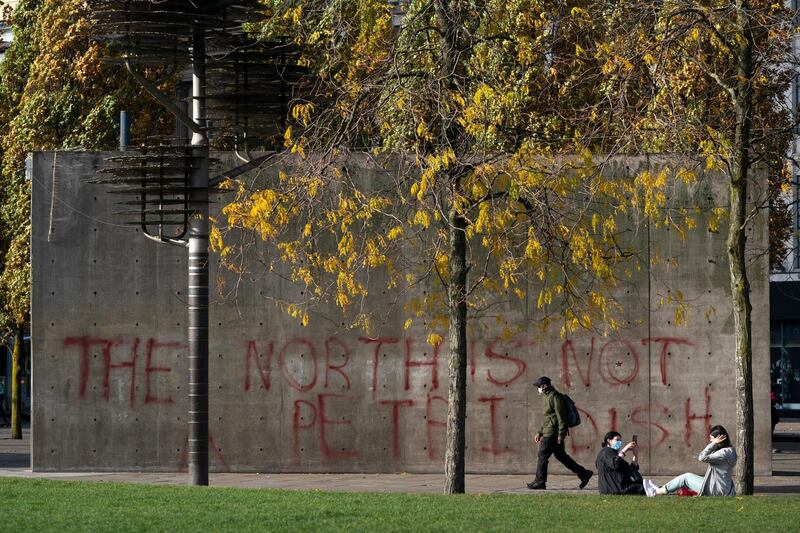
<point>554,414</point>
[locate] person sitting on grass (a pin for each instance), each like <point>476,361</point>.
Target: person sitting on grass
<point>721,458</point>
<point>614,474</point>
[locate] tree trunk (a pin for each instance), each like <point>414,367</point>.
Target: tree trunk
<point>736,241</point>
<point>16,375</point>
<point>457,364</point>
<point>449,14</point>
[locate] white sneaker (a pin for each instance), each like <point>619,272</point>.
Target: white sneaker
<point>649,488</point>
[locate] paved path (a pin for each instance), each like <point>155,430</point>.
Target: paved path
<point>15,461</point>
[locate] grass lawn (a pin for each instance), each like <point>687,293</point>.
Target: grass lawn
<point>40,505</point>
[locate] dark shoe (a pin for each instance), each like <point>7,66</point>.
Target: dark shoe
<point>536,485</point>
<point>585,478</point>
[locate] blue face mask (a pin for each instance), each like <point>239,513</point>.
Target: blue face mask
<point>617,444</point>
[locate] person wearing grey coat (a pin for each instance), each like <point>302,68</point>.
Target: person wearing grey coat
<point>721,459</point>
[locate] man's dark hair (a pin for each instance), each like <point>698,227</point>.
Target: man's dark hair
<point>542,381</point>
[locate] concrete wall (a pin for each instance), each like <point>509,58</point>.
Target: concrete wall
<point>109,360</point>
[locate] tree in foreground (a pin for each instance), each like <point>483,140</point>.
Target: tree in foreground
<point>715,76</point>
<point>492,126</point>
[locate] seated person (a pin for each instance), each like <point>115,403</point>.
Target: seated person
<point>614,474</point>
<point>721,458</point>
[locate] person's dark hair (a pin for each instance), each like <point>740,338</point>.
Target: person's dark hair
<point>716,431</point>
<point>608,436</point>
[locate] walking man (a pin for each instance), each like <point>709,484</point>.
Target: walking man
<point>551,435</point>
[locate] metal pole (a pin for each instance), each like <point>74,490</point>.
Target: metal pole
<point>124,130</point>
<point>198,273</point>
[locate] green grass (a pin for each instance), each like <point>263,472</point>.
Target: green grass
<point>40,505</point>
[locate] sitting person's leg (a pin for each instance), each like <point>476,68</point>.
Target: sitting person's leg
<point>688,480</point>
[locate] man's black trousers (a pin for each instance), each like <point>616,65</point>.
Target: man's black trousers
<point>550,446</point>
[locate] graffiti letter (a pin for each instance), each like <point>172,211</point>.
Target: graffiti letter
<point>379,342</point>
<point>327,451</point>
<point>706,417</point>
<point>612,415</point>
<point>430,422</point>
<point>152,346</point>
<point>293,383</point>
<point>519,363</point>
<point>86,343</point>
<point>665,352</point>
<point>586,378</point>
<point>574,446</point>
<point>297,426</point>
<point>396,405</point>
<point>433,363</point>
<point>493,449</point>
<point>108,366</point>
<point>336,368</point>
<point>653,408</point>
<point>608,365</point>
<point>264,372</point>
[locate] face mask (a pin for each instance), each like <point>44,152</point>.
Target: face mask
<point>541,390</point>
<point>617,444</point>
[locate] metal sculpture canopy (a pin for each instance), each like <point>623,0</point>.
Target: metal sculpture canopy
<point>156,189</point>
<point>249,82</point>
<point>241,89</point>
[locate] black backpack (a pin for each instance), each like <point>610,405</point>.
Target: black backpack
<point>573,416</point>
